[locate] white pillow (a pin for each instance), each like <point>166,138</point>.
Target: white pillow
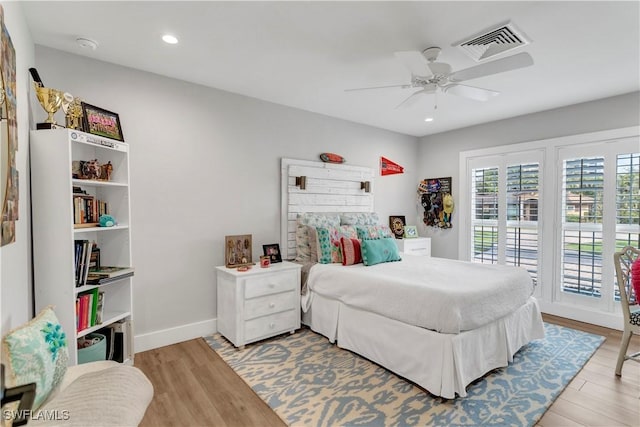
<point>303,249</point>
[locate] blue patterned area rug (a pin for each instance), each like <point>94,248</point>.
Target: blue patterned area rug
<point>308,381</point>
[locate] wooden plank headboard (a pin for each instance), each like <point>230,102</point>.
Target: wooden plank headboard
<point>329,188</point>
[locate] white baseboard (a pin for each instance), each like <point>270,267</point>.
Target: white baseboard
<point>155,339</point>
<point>607,320</point>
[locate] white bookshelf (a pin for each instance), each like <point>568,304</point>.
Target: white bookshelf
<point>52,154</point>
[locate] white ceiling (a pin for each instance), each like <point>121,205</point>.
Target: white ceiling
<point>304,54</point>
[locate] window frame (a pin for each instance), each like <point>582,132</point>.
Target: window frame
<point>616,141</point>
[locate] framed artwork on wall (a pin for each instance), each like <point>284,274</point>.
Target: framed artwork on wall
<point>9,174</point>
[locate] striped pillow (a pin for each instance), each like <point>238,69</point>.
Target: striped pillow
<point>351,253</point>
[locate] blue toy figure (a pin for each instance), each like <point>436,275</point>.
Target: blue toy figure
<point>107,221</point>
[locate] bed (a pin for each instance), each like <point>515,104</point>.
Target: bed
<point>440,323</point>
<point>439,335</point>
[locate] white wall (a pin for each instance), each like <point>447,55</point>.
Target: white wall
<point>15,270</point>
<point>438,155</point>
<point>204,164</point>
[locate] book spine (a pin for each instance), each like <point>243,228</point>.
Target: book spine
<point>87,261</point>
<point>94,306</point>
<point>78,251</point>
<point>89,309</point>
<point>100,308</point>
<point>78,314</point>
<point>84,299</point>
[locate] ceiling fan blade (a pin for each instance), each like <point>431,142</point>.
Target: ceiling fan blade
<point>471,92</point>
<point>414,97</point>
<point>378,87</point>
<point>514,62</point>
<point>415,62</point>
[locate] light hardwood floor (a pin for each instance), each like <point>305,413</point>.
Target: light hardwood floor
<point>195,387</point>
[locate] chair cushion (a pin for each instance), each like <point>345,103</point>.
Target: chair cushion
<point>635,318</point>
<point>116,396</point>
<point>36,352</point>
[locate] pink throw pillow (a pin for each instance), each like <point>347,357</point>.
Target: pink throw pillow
<point>351,252</point>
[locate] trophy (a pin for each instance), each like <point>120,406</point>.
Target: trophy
<point>51,101</point>
<point>73,113</point>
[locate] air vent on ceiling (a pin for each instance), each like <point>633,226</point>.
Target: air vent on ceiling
<point>497,40</point>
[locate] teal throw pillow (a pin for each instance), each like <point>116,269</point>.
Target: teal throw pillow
<point>376,251</point>
<point>36,352</point>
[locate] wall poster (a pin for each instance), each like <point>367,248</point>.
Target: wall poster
<point>8,137</point>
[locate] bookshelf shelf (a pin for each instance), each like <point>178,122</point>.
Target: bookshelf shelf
<point>109,319</point>
<point>100,229</point>
<point>95,183</point>
<point>56,239</point>
<point>114,282</point>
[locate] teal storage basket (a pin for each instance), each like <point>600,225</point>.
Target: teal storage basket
<point>94,352</point>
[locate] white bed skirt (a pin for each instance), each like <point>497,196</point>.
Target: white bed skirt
<point>443,364</point>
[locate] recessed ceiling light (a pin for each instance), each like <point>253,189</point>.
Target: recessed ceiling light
<point>168,38</point>
<point>428,119</point>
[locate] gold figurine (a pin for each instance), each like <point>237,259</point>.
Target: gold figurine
<point>74,114</point>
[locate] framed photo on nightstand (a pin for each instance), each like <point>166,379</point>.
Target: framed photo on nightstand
<point>410,231</point>
<point>273,251</point>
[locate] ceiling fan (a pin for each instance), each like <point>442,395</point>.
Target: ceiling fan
<point>429,75</point>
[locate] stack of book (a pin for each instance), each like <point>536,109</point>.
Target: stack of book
<point>89,309</point>
<point>87,209</point>
<point>86,257</point>
<point>104,274</point>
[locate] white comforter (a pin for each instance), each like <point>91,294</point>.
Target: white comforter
<point>444,295</point>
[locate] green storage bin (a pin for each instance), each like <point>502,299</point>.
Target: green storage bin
<point>95,352</point>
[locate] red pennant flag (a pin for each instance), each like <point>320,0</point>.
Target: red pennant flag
<point>387,167</point>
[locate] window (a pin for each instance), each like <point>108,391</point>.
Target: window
<point>522,216</point>
<point>505,223</point>
<point>627,203</point>
<point>485,215</point>
<point>582,190</point>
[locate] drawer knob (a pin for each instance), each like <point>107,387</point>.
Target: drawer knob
<point>272,325</point>
<point>272,304</point>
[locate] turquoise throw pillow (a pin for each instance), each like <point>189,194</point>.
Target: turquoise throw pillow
<point>36,353</point>
<point>376,251</point>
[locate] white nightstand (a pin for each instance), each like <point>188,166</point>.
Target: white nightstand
<point>415,246</point>
<point>258,303</point>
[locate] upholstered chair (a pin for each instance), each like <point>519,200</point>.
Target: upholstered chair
<point>628,277</point>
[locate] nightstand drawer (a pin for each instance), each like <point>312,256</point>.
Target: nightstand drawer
<point>417,246</point>
<point>270,304</point>
<point>270,284</point>
<point>270,325</point>
<point>417,251</point>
